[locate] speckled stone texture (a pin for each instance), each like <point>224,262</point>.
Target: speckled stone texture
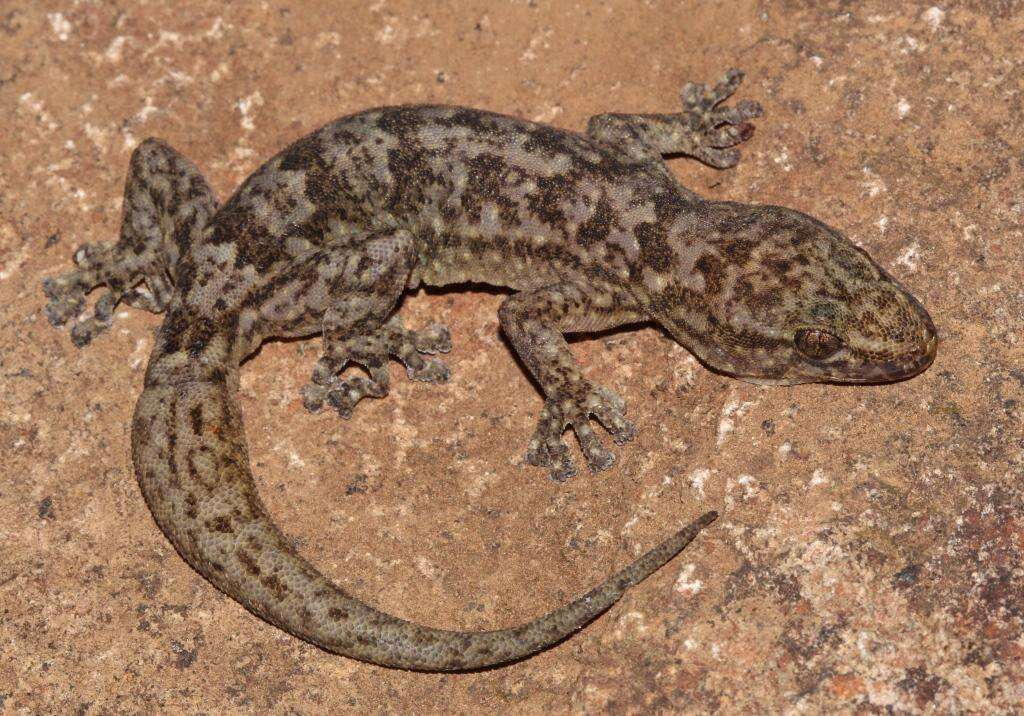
<point>868,556</point>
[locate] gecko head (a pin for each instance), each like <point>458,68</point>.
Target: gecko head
<point>790,300</point>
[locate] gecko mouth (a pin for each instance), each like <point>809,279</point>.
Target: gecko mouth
<point>900,368</point>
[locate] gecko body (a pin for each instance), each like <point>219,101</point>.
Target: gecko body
<point>589,231</point>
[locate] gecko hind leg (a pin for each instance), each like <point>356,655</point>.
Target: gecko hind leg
<point>355,286</point>
<point>167,202</point>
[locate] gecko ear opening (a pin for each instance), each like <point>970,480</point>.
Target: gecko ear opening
<point>817,344</point>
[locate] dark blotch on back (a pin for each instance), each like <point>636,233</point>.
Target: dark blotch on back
<point>711,268</point>
<point>655,251</point>
<point>596,228</point>
<point>542,139</point>
<point>220,524</point>
<point>303,155</point>
<point>400,120</point>
<point>196,417</point>
<point>201,330</point>
<point>488,178</point>
<point>544,202</point>
<point>480,122</point>
<point>410,175</point>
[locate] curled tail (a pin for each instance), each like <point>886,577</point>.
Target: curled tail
<point>193,466</point>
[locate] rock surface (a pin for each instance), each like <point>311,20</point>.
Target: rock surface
<point>869,553</point>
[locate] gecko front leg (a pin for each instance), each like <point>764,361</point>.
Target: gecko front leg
<point>534,322</point>
<point>703,130</point>
<point>354,285</point>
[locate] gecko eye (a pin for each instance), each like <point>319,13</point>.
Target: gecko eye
<point>817,344</point>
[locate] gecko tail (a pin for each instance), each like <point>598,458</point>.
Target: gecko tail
<point>193,467</point>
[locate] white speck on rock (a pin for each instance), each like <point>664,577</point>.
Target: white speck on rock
<point>873,183</point>
<point>428,570</point>
<point>732,410</point>
<point>636,621</point>
<point>216,30</point>
<point>902,108</point>
<point>537,42</point>
<point>909,256</point>
<point>548,115</point>
<point>143,114</point>
<point>35,105</point>
<point>697,479</point>
<point>115,49</point>
<point>245,106</point>
<point>60,25</point>
<point>749,485</point>
<point>685,583</point>
<point>782,159</point>
<point>934,17</point>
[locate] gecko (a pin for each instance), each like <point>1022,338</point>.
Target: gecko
<point>587,232</point>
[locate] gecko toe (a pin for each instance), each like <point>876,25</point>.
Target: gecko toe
<point>407,345</point>
<point>430,371</point>
<point>347,393</point>
<point>313,397</point>
<point>547,449</point>
<point>418,368</point>
<point>553,456</point>
<point>597,456</point>
<point>344,395</point>
<point>433,339</point>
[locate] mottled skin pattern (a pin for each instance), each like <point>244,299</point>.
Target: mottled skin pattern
<point>588,231</point>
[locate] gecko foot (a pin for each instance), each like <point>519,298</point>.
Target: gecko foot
<point>575,409</point>
<point>712,128</point>
<point>372,353</point>
<point>124,274</point>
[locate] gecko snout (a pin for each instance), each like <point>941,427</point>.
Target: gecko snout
<point>916,350</point>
